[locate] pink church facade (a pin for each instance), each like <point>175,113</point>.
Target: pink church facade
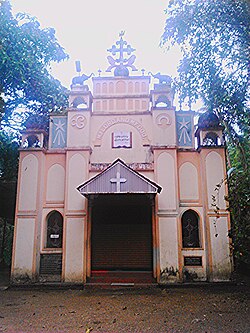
<point>122,188</point>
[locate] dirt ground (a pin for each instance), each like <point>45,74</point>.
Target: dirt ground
<point>211,308</point>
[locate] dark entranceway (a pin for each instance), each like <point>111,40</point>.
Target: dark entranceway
<point>121,235</point>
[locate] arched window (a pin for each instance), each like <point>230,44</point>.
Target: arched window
<point>54,230</point>
<point>32,141</point>
<point>211,139</point>
<point>79,103</point>
<point>162,101</point>
<point>190,229</point>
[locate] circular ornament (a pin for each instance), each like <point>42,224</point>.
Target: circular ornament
<point>163,120</point>
<point>79,121</point>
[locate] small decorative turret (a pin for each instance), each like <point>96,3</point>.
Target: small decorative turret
<point>209,131</point>
<point>36,133</point>
<point>208,120</point>
<point>163,94</point>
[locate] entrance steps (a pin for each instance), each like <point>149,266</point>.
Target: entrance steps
<point>121,278</point>
<point>121,287</point>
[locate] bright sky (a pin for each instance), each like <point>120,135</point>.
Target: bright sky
<point>87,28</point>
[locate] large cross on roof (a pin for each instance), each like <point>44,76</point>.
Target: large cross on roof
<point>121,48</point>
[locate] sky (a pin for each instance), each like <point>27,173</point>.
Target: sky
<point>87,28</point>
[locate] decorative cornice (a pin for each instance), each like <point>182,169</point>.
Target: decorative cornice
<point>165,213</point>
<point>163,147</point>
<point>134,166</point>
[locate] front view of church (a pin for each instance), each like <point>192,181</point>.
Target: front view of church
<point>123,188</point>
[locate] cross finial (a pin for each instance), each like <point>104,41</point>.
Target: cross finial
<point>121,49</point>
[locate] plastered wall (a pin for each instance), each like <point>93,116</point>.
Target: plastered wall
<point>74,250</point>
<point>221,264</point>
<point>188,179</point>
<point>24,248</point>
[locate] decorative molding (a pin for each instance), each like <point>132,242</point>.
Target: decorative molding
<point>54,204</point>
<point>134,166</point>
<point>50,251</point>
<point>163,120</point>
<point>28,150</point>
<point>26,214</point>
<point>58,132</point>
<point>56,151</point>
<point>164,213</point>
<point>221,213</point>
<point>163,147</point>
<point>78,121</point>
<point>190,203</point>
<point>122,120</point>
<point>184,129</point>
<point>75,213</point>
<point>81,149</point>
<point>141,166</point>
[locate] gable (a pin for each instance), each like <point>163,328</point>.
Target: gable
<point>118,178</point>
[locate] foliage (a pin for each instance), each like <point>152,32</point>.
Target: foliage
<point>26,52</point>
<point>28,92</point>
<point>239,207</point>
<point>8,240</point>
<point>239,203</point>
<point>9,144</point>
<point>214,39</point>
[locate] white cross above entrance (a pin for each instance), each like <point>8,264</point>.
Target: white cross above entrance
<point>118,180</point>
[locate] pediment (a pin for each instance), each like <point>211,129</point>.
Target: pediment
<point>118,178</point>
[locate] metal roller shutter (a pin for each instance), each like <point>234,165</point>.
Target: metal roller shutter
<point>122,238</point>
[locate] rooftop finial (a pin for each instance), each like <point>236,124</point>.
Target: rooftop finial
<point>120,64</point>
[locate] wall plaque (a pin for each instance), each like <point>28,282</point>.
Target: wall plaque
<point>51,264</point>
<point>121,140</point>
<point>54,236</point>
<point>193,261</point>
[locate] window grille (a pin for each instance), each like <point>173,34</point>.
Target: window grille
<point>54,230</point>
<point>190,229</point>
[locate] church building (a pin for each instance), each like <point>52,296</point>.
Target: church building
<point>123,188</point>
